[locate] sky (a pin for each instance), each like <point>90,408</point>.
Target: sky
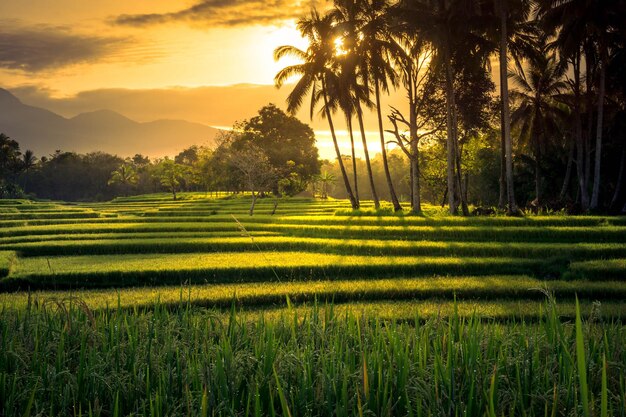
<point>206,61</point>
<point>71,45</point>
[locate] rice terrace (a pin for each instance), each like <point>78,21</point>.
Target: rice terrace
<point>368,208</point>
<point>313,310</point>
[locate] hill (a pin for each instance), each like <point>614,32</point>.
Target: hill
<point>103,130</point>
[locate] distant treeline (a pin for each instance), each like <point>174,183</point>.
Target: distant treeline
<point>275,153</point>
<point>270,153</point>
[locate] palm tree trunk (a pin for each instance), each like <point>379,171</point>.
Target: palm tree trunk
<point>537,172</point>
<point>392,192</point>
<point>537,134</point>
<point>620,179</point>
<point>506,124</point>
<point>356,182</point>
<point>416,204</point>
<point>502,195</point>
<point>568,172</point>
<point>595,194</point>
<point>460,185</point>
<point>450,136</point>
<point>580,157</point>
<point>344,175</point>
<point>589,96</point>
<point>367,158</point>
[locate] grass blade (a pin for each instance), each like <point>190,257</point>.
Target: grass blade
<point>581,363</point>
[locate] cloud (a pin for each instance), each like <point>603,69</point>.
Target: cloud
<point>227,13</point>
<point>43,48</point>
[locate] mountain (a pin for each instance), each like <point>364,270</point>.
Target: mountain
<point>103,130</point>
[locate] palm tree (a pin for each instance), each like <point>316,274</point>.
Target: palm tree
<point>579,23</point>
<point>514,29</point>
<point>325,180</point>
<point>447,27</point>
<point>538,111</point>
<point>316,72</point>
<point>348,18</point>
<point>125,176</point>
<point>28,162</point>
<point>378,48</point>
<point>344,97</point>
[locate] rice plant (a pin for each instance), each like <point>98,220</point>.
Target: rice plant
<point>61,358</point>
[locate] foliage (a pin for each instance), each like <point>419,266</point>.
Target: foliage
<point>288,143</point>
<point>171,175</point>
<point>326,360</point>
<point>10,166</point>
<point>125,176</point>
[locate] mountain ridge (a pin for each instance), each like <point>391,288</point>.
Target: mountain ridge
<point>105,130</point>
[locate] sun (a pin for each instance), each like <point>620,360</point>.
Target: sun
<point>339,47</point>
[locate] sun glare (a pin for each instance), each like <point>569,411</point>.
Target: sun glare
<point>339,47</point>
<point>284,35</point>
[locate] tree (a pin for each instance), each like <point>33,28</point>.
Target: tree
<point>125,176</point>
<point>438,21</point>
<point>378,49</point>
<point>348,17</point>
<point>171,175</point>
<point>512,35</point>
<point>10,166</point>
<point>325,180</point>
<point>346,100</point>
<point>255,169</point>
<point>425,104</point>
<point>538,111</point>
<point>455,31</point>
<point>584,27</point>
<point>288,143</point>
<point>315,71</point>
<point>28,161</point>
<point>510,14</point>
<point>187,156</point>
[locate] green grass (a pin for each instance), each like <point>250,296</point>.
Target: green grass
<point>128,308</point>
<point>607,269</point>
<point>48,215</point>
<point>61,358</point>
<point>85,244</point>
<point>164,236</point>
<point>264,294</point>
<point>162,269</point>
<point>7,259</point>
<point>551,234</point>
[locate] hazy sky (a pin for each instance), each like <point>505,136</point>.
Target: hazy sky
<point>152,59</point>
<point>71,45</point>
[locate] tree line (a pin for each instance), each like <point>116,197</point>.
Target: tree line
<point>562,89</point>
<point>270,153</point>
<point>552,137</point>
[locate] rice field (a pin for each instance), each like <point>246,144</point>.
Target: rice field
<point>148,306</point>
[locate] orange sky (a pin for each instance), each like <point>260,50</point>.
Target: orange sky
<point>72,56</point>
<point>208,49</point>
<point>153,59</point>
